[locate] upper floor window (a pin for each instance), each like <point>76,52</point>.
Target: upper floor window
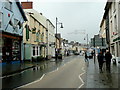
<point>8,5</point>
<point>115,23</point>
<point>114,6</point>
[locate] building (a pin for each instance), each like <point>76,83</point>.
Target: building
<point>12,18</point>
<point>102,32</point>
<point>97,41</point>
<point>35,33</point>
<point>51,39</point>
<point>112,14</point>
<point>58,46</point>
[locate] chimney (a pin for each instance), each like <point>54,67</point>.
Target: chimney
<point>27,5</point>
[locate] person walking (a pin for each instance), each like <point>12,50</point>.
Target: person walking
<point>86,57</point>
<point>100,60</point>
<point>108,58</point>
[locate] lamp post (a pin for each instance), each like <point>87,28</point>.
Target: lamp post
<point>94,49</point>
<point>56,51</point>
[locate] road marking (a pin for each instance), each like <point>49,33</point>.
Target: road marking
<point>31,82</point>
<point>11,75</point>
<point>42,77</point>
<point>81,78</point>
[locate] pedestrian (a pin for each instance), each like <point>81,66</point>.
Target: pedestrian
<point>100,60</point>
<point>92,53</point>
<point>108,58</point>
<point>86,57</point>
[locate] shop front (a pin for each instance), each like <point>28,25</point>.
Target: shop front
<point>11,47</point>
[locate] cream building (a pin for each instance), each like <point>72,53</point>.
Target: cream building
<point>34,35</point>
<point>102,31</point>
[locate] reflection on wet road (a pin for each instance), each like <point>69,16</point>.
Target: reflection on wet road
<point>33,74</point>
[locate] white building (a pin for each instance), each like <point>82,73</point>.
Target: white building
<point>51,39</point>
<point>11,19</point>
<point>112,21</point>
<point>114,26</point>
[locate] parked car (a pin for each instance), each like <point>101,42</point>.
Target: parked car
<point>76,53</point>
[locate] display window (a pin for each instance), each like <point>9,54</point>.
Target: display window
<point>16,50</point>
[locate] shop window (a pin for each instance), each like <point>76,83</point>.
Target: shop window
<point>16,50</point>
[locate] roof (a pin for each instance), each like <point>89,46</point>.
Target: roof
<point>36,15</point>
<point>21,10</point>
<point>51,23</point>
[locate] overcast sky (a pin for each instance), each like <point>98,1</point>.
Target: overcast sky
<point>77,16</point>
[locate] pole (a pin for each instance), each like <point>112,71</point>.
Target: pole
<point>94,49</point>
<point>56,41</point>
<point>87,40</point>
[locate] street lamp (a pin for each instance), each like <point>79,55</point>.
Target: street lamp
<point>56,51</point>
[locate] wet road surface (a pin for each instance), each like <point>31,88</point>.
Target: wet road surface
<point>67,76</point>
<point>31,75</point>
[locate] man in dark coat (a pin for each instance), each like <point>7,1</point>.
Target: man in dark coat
<point>100,60</point>
<point>108,57</point>
<point>86,57</point>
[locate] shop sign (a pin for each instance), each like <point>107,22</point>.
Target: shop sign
<point>118,38</point>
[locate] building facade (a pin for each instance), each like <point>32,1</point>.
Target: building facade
<point>51,39</point>
<point>97,41</point>
<point>113,10</point>
<point>35,33</point>
<point>12,18</point>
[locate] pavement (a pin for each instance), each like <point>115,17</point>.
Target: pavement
<point>15,67</point>
<point>96,79</point>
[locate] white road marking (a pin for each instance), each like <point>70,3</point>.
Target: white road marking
<point>30,83</point>
<point>11,75</point>
<point>41,77</point>
<point>81,78</point>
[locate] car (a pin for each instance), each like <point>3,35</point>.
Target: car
<point>76,53</point>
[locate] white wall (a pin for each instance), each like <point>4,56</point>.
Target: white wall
<point>14,14</point>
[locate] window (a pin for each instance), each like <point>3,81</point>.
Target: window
<point>8,5</point>
<point>114,6</point>
<point>27,32</point>
<point>33,51</point>
<point>16,25</point>
<point>15,21</point>
<point>111,28</point>
<point>1,19</point>
<point>37,50</point>
<point>115,23</point>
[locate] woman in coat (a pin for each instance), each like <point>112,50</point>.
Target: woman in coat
<point>100,60</point>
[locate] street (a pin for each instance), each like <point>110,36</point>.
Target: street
<point>71,72</point>
<point>67,76</point>
<point>73,64</point>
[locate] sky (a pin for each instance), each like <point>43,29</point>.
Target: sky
<point>79,17</point>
